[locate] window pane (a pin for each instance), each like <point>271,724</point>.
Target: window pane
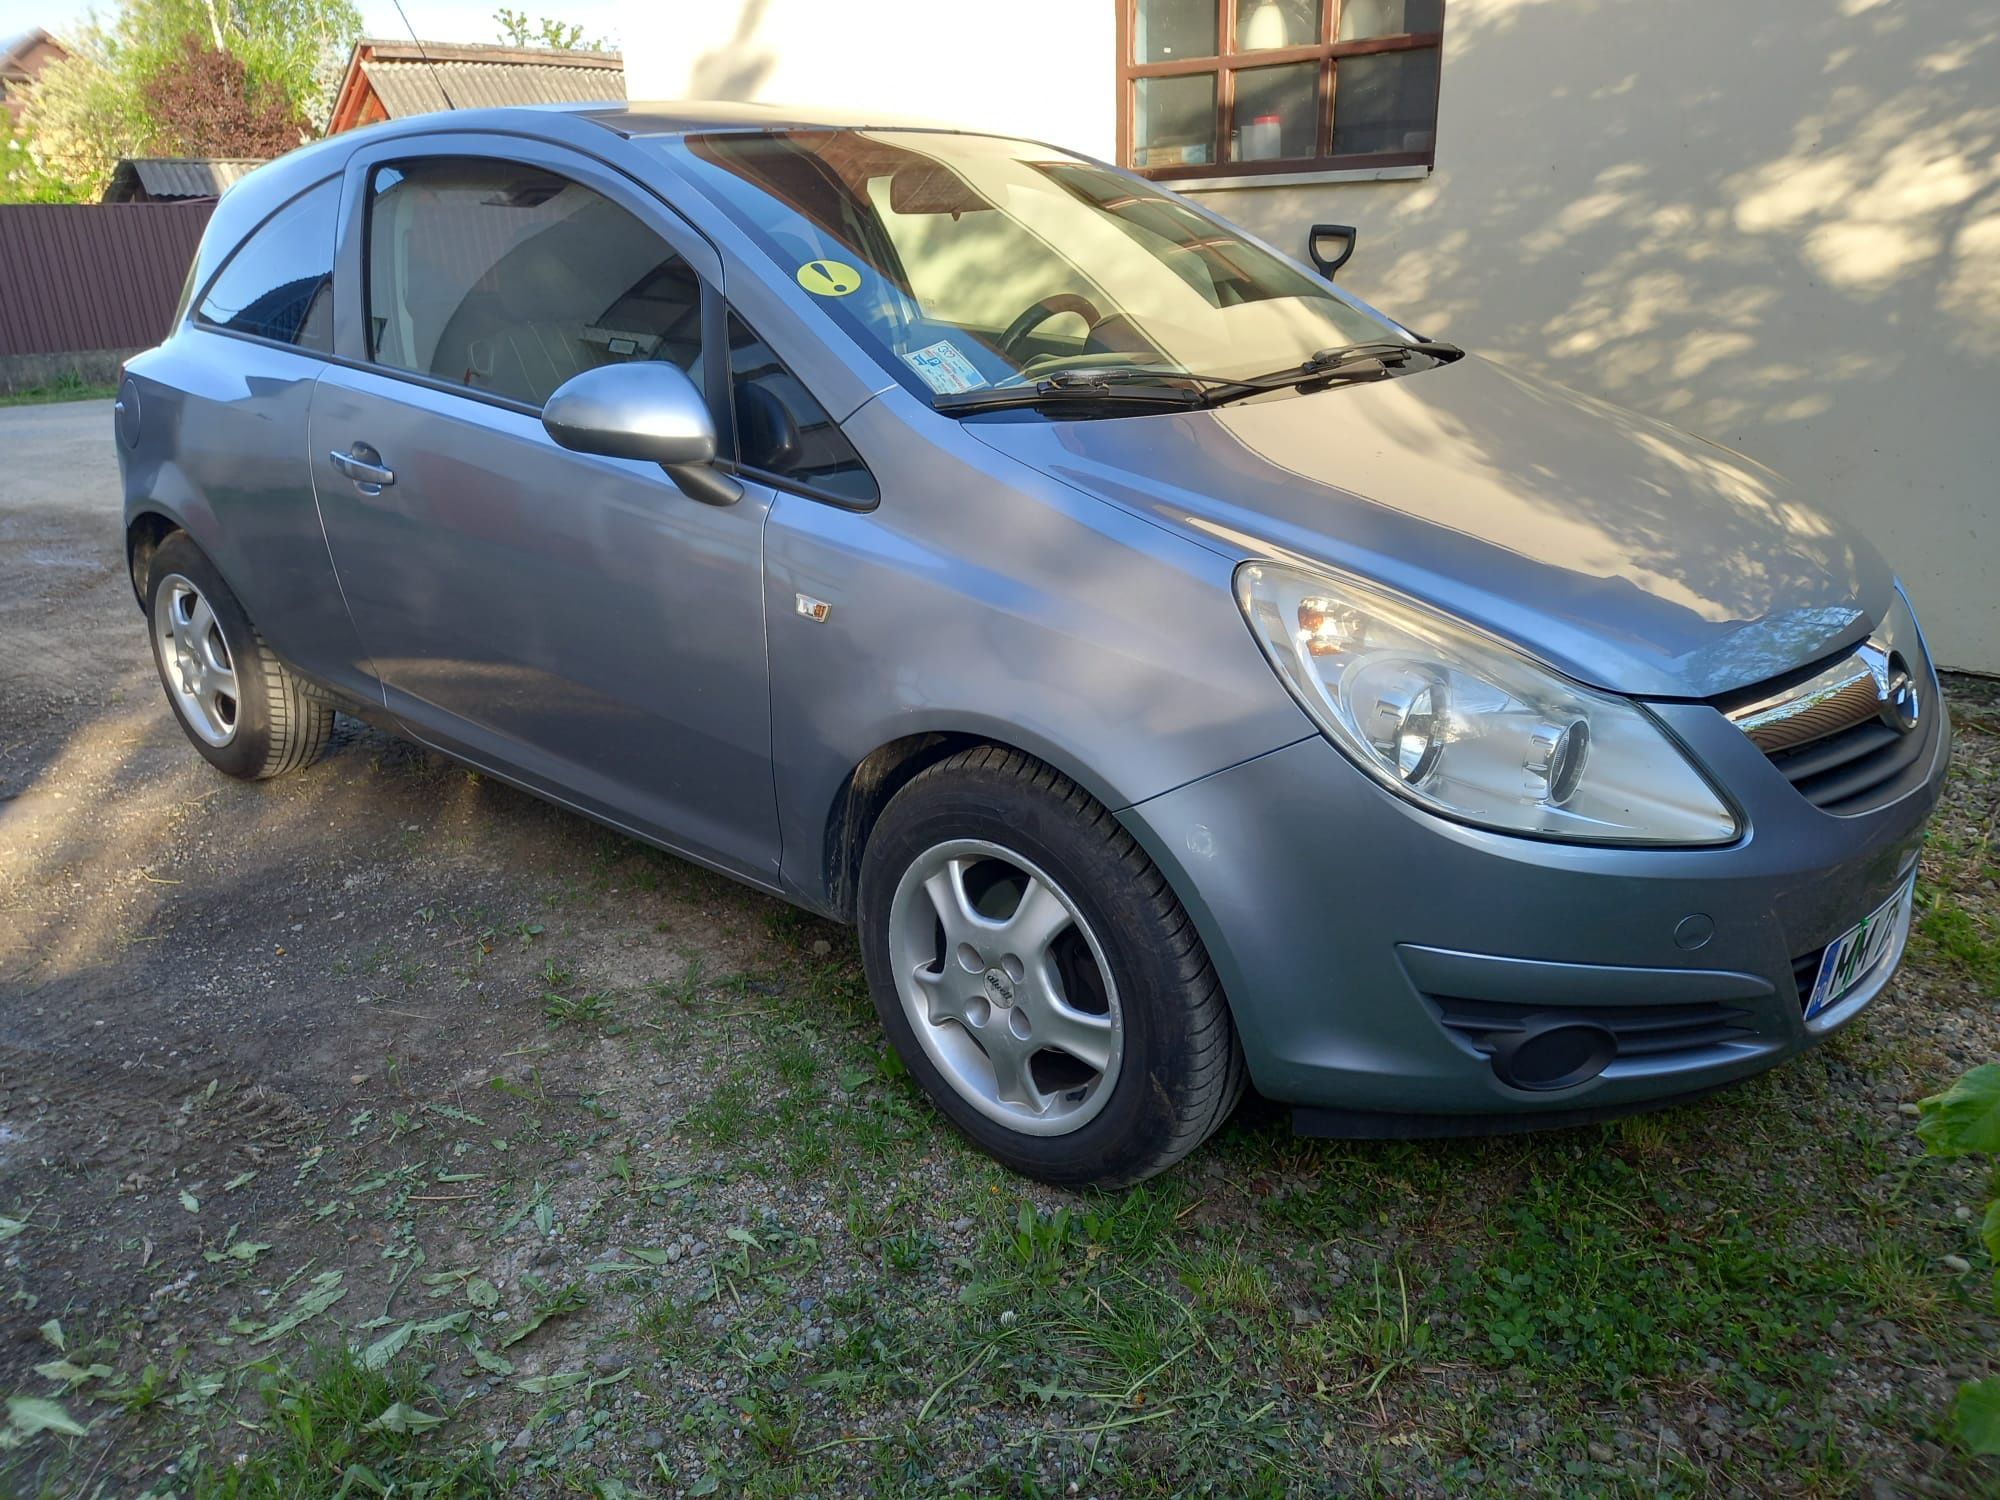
<point>1263,24</point>
<point>510,279</point>
<point>1173,121</point>
<point>1366,18</point>
<point>965,260</point>
<point>782,430</point>
<point>279,283</point>
<point>1277,114</point>
<point>1162,286</point>
<point>1386,102</point>
<point>1223,270</point>
<point>1169,30</point>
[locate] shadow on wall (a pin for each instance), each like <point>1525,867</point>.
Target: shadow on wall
<point>1779,227</point>
<point>739,68</point>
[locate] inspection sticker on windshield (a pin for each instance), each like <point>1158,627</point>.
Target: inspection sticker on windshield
<point>1859,952</point>
<point>948,371</point>
<point>829,278</point>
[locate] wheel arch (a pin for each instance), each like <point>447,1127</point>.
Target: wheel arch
<point>1189,1071</point>
<point>144,531</point>
<point>876,778</point>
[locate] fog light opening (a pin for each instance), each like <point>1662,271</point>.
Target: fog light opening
<point>1552,1053</point>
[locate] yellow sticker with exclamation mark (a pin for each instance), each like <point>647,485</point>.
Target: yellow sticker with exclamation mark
<point>829,278</point>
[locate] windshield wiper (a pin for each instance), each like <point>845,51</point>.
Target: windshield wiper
<point>1119,387</point>
<point>1141,386</point>
<point>1344,364</point>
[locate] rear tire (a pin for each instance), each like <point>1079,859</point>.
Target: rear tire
<point>249,714</point>
<point>1039,977</point>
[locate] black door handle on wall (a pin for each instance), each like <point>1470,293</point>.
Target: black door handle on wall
<point>1330,246</point>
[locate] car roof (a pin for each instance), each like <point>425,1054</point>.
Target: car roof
<point>277,180</point>
<point>690,116</point>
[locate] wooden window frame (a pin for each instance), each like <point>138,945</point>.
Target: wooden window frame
<point>1327,52</point>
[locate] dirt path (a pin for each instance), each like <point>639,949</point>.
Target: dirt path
<point>215,998</point>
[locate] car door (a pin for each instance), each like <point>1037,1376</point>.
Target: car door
<point>571,621</point>
<point>234,386</point>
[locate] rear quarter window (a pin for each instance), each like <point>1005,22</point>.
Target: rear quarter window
<point>782,431</point>
<point>278,284</point>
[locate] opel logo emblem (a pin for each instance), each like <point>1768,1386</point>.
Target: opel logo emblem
<point>1900,707</point>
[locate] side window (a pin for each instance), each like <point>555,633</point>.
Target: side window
<point>782,430</point>
<point>509,279</point>
<point>278,284</point>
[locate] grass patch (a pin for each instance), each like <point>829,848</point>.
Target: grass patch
<point>588,1009</point>
<point>67,388</point>
<point>820,1289</point>
<point>1592,1279</point>
<point>726,1115</point>
<point>333,1425</point>
<point>1961,940</point>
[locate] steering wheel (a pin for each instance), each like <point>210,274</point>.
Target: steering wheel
<point>1042,311</point>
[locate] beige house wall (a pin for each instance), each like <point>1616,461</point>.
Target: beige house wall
<point>1776,224</point>
<point>1036,67</point>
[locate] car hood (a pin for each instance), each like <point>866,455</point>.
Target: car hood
<point>1618,549</point>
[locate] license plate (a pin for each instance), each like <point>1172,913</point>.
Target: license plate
<point>1856,953</point>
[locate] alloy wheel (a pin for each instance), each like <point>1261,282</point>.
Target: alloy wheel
<point>1005,986</point>
<point>195,660</point>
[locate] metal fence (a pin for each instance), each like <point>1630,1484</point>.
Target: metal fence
<point>76,277</point>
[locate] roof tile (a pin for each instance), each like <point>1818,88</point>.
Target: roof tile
<point>412,88</point>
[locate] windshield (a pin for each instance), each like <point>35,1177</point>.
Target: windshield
<point>963,262</point>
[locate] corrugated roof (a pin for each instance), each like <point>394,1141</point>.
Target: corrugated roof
<point>411,88</point>
<point>175,176</point>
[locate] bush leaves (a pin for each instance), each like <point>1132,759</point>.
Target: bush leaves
<point>403,1417</point>
<point>1976,1413</point>
<point>28,1415</point>
<point>1966,1117</point>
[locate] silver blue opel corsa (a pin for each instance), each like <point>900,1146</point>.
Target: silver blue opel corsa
<point>1184,675</point>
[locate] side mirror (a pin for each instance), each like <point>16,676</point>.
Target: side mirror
<point>648,410</point>
<point>1330,246</point>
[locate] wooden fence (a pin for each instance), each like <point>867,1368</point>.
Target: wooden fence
<point>80,277</point>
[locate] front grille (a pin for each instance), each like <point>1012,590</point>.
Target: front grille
<point>1817,715</point>
<point>1655,1032</point>
<point>1857,768</point>
<point>1839,735</point>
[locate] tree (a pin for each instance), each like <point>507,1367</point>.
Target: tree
<point>207,106</point>
<point>127,87</point>
<point>282,42</point>
<point>80,118</point>
<point>544,31</point>
<point>25,177</point>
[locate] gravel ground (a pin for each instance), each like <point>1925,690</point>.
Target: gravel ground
<point>385,1084</point>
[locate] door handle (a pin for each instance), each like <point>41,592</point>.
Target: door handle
<point>362,466</point>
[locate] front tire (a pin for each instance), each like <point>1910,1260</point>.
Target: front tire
<point>1038,976</point>
<point>248,713</point>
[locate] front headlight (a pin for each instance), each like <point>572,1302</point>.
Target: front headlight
<point>1469,727</point>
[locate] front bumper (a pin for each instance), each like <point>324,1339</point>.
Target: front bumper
<point>1369,949</point>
